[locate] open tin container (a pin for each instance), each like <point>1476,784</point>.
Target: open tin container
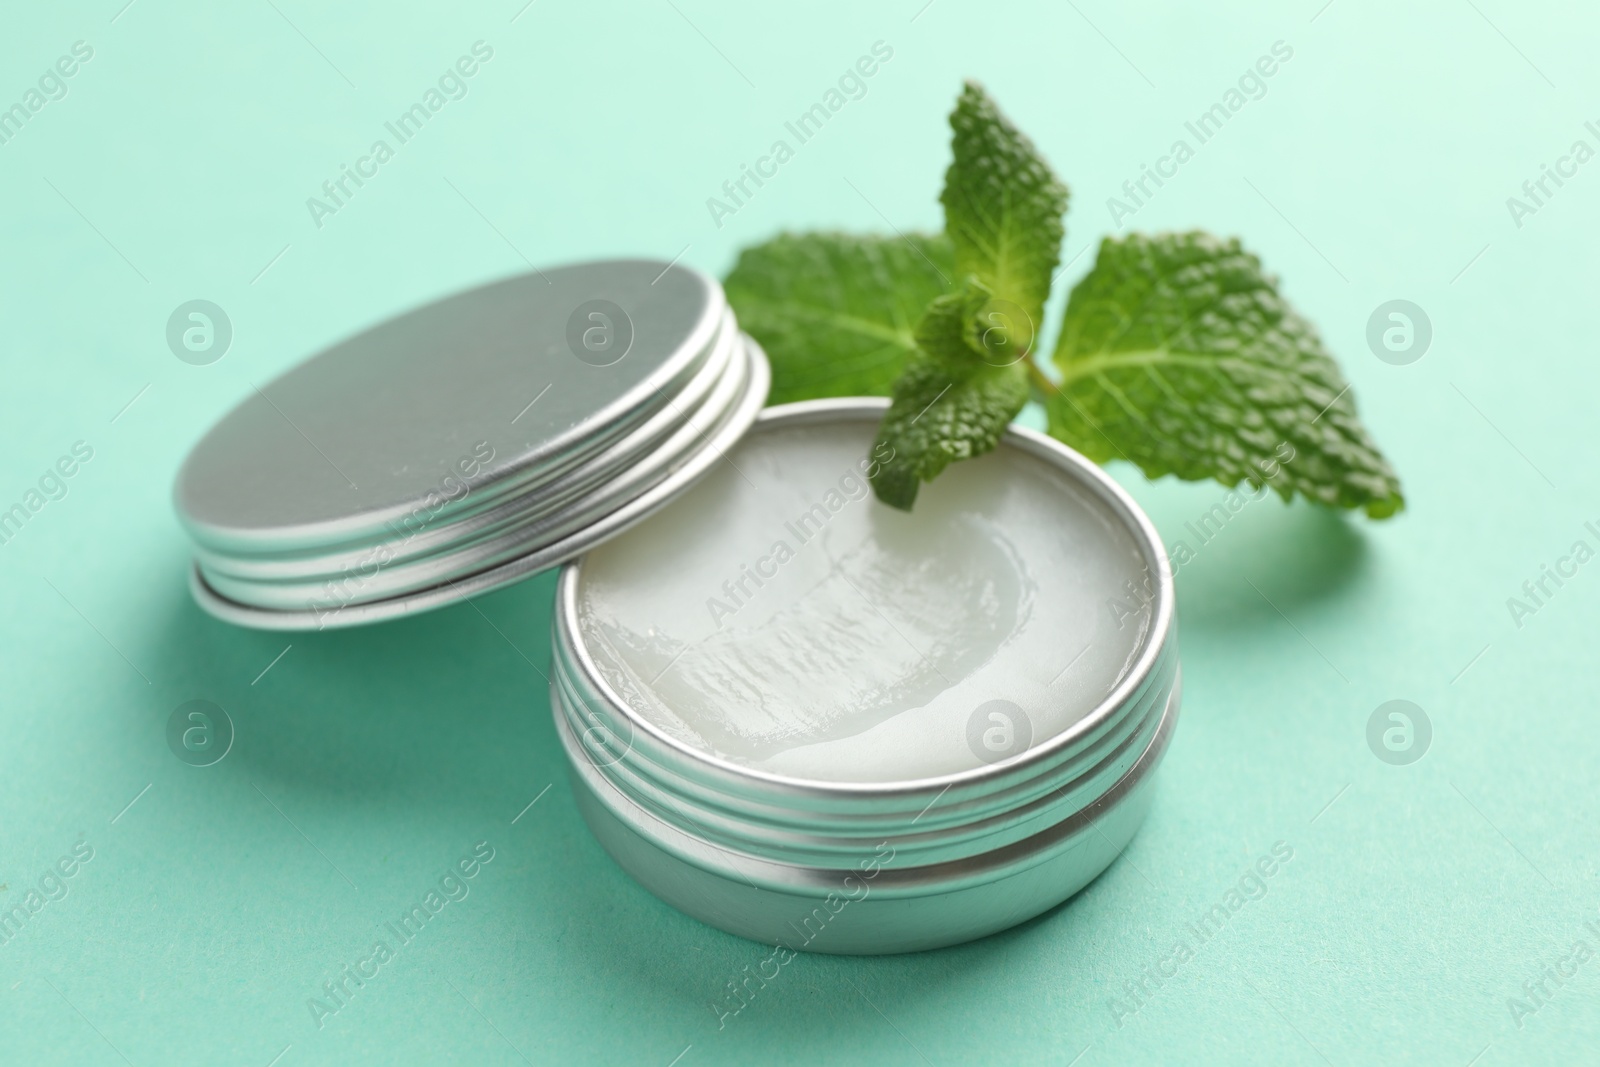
<point>496,433</point>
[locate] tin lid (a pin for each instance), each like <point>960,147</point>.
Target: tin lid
<point>466,444</point>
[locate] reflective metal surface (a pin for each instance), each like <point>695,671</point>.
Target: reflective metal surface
<point>921,863</point>
<point>466,445</point>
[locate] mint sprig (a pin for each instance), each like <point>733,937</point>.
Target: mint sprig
<point>1176,352</point>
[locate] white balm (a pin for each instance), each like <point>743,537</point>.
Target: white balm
<point>779,617</point>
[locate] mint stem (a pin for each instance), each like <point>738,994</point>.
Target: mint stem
<point>1041,381</point>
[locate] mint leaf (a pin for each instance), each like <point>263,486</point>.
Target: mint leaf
<point>1178,354</point>
<point>835,312</point>
<point>960,389</point>
<point>1002,205</point>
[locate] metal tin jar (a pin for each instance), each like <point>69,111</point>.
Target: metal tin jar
<point>880,867</point>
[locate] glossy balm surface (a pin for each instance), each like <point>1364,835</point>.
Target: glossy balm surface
<point>779,617</point>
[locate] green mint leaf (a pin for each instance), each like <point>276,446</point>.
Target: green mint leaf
<point>960,389</point>
<point>1178,354</point>
<point>837,313</point>
<point>1002,205</point>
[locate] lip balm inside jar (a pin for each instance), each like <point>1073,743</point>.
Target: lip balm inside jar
<point>817,721</point>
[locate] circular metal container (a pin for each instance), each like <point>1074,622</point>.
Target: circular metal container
<point>862,868</point>
<point>466,444</point>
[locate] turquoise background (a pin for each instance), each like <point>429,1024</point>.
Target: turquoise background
<point>1419,898</point>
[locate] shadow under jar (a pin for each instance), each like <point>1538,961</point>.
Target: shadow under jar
<point>818,722</point>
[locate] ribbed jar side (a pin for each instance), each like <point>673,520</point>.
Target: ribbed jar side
<point>904,879</point>
<point>831,823</point>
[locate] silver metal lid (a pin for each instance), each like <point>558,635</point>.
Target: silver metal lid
<point>466,444</point>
